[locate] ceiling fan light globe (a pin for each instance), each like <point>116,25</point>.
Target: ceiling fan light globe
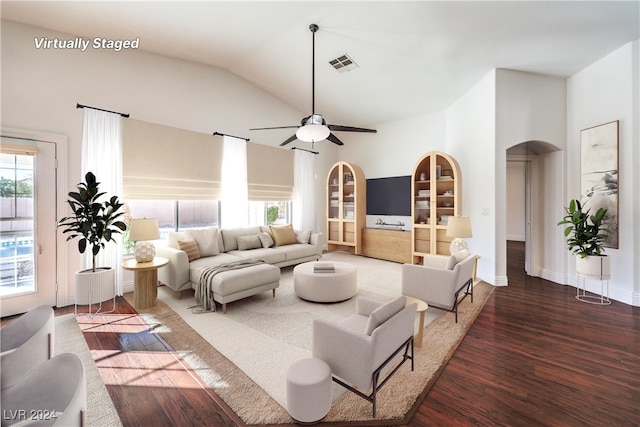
<point>312,133</point>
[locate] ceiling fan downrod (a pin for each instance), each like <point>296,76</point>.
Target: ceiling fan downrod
<point>314,128</point>
<point>313,28</point>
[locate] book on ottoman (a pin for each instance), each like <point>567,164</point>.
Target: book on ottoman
<point>323,267</point>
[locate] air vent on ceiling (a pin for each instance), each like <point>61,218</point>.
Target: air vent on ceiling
<point>343,63</point>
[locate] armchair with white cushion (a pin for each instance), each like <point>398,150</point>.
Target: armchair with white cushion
<point>367,346</point>
<point>25,343</point>
<point>53,393</point>
<point>442,282</point>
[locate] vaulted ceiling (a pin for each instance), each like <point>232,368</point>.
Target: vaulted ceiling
<point>413,57</point>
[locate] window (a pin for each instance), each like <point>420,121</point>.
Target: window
<point>173,215</point>
<point>179,215</point>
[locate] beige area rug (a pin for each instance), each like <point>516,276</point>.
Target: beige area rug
<point>69,339</point>
<point>243,355</point>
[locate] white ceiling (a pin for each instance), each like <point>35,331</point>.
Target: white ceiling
<point>414,57</point>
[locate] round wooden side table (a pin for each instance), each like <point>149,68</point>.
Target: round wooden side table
<point>422,308</point>
<point>145,281</point>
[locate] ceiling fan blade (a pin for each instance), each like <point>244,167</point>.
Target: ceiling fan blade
<point>341,128</point>
<point>334,139</point>
<point>277,127</point>
<point>291,138</point>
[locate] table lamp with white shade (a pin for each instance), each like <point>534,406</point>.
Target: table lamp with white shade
<point>458,227</point>
<point>142,230</point>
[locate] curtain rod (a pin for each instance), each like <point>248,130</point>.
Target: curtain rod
<point>304,149</point>
<point>216,133</point>
<point>125,115</point>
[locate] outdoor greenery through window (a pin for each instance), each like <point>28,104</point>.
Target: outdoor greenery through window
<point>179,215</point>
<point>269,213</point>
<point>16,224</point>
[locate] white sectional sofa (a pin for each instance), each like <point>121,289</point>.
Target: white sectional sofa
<point>221,247</point>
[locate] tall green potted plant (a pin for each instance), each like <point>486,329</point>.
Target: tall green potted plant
<point>94,223</point>
<point>586,235</point>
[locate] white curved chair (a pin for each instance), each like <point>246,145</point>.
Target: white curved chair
<point>52,394</point>
<point>442,282</point>
<point>25,343</point>
<point>367,348</point>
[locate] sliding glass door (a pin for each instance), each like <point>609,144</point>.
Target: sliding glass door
<point>27,225</point>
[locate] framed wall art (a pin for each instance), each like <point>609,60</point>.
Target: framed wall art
<point>599,174</point>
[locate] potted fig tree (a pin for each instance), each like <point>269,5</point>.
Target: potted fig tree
<point>94,223</point>
<point>586,234</point>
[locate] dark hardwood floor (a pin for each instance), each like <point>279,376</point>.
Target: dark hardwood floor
<point>148,382</point>
<point>535,356</point>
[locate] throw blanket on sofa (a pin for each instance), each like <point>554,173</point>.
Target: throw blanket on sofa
<point>204,293</point>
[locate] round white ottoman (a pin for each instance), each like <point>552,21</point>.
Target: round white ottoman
<point>308,392</point>
<point>339,285</point>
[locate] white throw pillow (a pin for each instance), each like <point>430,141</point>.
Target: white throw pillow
<point>174,238</point>
<point>384,313</point>
<point>206,238</point>
<point>265,239</point>
<point>248,242</point>
<point>303,236</point>
<point>456,257</point>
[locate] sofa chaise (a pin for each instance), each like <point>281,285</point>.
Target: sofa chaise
<point>192,252</point>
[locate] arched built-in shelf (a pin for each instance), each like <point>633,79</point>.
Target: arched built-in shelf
<point>346,207</point>
<point>435,187</point>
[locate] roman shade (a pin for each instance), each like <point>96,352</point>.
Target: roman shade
<point>269,173</point>
<point>166,163</point>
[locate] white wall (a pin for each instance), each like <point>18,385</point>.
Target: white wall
<point>40,89</point>
<point>471,141</point>
<point>394,151</point>
<point>398,145</point>
<point>510,107</point>
<point>605,91</point>
<point>552,253</point>
<point>530,107</point>
<point>516,200</point>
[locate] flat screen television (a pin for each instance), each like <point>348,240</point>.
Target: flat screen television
<point>389,196</point>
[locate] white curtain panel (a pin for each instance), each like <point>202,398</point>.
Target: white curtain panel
<point>234,203</point>
<point>304,190</point>
<point>102,155</point>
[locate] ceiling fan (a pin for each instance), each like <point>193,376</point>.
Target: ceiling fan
<point>314,128</point>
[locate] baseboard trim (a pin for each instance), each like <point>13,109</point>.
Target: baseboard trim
<point>127,287</point>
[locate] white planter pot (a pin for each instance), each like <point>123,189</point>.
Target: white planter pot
<point>594,266</point>
<point>95,287</point>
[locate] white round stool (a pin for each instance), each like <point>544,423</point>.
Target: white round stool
<point>308,392</point>
<point>338,285</point>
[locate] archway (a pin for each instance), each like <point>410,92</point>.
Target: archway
<point>526,199</point>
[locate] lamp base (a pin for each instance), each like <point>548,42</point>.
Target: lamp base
<point>144,252</point>
<point>457,245</point>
